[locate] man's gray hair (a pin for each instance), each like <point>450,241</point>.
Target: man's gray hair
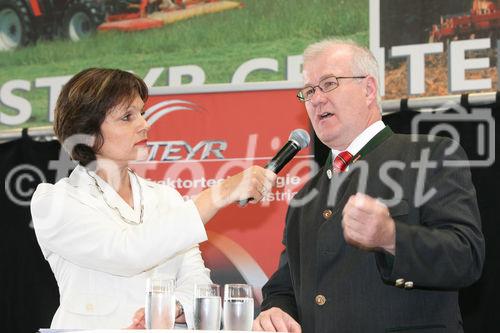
<point>363,60</point>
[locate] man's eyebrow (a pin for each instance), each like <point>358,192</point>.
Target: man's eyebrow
<point>326,75</point>
<point>321,78</point>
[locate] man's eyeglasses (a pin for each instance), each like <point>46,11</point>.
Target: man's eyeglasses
<point>327,84</point>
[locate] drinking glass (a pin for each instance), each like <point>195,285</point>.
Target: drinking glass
<point>160,303</point>
<point>238,307</point>
<point>207,307</point>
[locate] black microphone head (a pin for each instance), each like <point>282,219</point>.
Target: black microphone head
<point>300,137</point>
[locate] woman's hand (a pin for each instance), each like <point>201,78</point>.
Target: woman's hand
<point>138,321</point>
<point>253,183</point>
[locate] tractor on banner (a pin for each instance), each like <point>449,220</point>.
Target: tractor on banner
<point>23,22</point>
<point>483,20</point>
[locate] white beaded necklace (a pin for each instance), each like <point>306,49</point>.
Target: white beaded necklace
<point>124,219</point>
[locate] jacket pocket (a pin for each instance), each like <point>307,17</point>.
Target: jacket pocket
<point>432,328</point>
<point>89,304</point>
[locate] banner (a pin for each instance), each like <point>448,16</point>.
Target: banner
<point>197,43</point>
<point>435,48</point>
<point>200,138</point>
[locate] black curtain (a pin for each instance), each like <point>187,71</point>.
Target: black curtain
<point>480,302</point>
<point>29,293</point>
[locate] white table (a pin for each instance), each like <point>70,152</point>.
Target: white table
<point>179,327</point>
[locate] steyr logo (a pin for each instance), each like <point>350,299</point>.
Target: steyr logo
<point>179,149</point>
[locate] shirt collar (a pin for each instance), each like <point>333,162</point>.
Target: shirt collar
<point>361,140</point>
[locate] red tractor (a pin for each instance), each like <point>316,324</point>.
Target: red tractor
<point>483,20</point>
<point>24,21</point>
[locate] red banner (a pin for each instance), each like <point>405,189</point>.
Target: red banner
<point>197,139</point>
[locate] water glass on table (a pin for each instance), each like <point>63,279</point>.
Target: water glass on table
<point>160,303</point>
<point>238,307</point>
<point>207,307</point>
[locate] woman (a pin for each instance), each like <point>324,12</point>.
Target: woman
<point>105,230</point>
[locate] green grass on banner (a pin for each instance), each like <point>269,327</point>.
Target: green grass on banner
<point>218,43</point>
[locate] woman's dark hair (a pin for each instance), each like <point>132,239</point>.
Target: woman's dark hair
<point>84,103</point>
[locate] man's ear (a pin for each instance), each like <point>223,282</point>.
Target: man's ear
<point>370,90</point>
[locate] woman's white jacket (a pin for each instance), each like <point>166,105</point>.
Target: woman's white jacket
<point>100,262</point>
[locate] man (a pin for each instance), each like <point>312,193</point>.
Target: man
<point>383,242</point>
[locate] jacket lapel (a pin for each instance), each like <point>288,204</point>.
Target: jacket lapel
<point>82,187</point>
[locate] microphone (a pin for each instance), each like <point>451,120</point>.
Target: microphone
<point>298,139</point>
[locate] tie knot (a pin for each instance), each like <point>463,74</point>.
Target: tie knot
<point>341,161</point>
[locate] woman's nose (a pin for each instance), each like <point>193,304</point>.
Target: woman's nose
<point>144,125</point>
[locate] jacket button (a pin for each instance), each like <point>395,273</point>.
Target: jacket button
<point>320,300</point>
<point>327,213</point>
<point>408,284</point>
<point>399,283</point>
